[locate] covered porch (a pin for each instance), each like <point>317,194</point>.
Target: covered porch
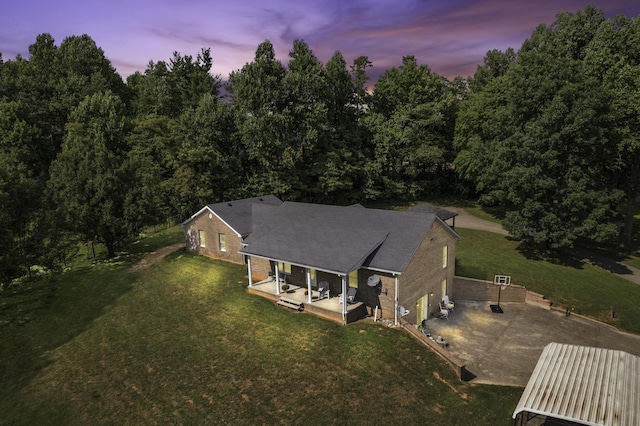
<point>329,307</point>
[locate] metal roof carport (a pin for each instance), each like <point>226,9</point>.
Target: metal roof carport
<point>581,385</point>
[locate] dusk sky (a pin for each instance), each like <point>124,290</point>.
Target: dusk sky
<point>451,36</point>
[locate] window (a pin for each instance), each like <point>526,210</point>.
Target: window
<point>445,252</point>
<point>353,279</point>
<point>312,276</point>
<point>202,238</point>
<point>284,268</point>
<point>222,242</point>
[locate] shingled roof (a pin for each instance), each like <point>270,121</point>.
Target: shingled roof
<point>335,238</point>
<point>237,214</point>
<point>443,214</point>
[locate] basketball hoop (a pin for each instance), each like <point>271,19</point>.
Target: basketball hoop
<point>502,281</point>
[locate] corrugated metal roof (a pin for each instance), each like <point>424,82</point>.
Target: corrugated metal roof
<point>587,385</point>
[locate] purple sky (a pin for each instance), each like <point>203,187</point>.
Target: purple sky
<point>450,36</point>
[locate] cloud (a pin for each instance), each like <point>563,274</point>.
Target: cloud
<point>450,37</point>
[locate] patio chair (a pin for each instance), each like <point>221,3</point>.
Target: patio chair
<point>351,294</point>
<point>444,312</point>
<point>448,303</point>
<point>402,311</point>
<point>323,290</point>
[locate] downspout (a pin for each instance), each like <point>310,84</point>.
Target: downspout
<point>344,298</point>
<point>308,276</point>
<point>395,304</point>
<point>249,268</point>
<point>277,280</point>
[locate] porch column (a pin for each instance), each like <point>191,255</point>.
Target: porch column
<point>308,277</point>
<point>249,268</point>
<point>277,280</point>
<point>395,304</point>
<point>344,298</point>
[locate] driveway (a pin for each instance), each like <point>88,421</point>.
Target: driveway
<point>466,220</point>
<point>503,349</point>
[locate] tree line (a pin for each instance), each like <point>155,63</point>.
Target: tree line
<point>549,134</point>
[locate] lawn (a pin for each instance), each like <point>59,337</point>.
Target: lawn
<point>565,281</point>
<point>183,343</point>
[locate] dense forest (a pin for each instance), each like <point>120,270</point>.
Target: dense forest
<point>549,134</point>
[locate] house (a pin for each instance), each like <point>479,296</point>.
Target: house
<point>217,230</point>
<point>581,385</point>
<point>447,216</point>
<point>394,263</point>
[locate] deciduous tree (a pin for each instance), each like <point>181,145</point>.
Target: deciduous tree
<point>88,177</point>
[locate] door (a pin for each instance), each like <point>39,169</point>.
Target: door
<point>422,309</point>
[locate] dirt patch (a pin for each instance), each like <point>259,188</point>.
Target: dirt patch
<point>453,388</point>
<point>156,256</point>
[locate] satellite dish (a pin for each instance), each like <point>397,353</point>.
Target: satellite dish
<point>402,311</point>
<point>373,280</point>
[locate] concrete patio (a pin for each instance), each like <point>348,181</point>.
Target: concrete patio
<point>503,349</point>
<point>328,308</point>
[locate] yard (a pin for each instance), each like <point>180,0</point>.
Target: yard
<point>183,343</point>
<point>565,281</point>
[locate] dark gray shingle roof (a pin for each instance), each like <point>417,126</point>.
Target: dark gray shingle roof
<point>237,213</point>
<point>335,238</point>
<point>443,214</point>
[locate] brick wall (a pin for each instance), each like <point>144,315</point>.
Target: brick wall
<point>212,226</point>
<point>481,290</point>
<point>260,268</point>
<point>425,272</point>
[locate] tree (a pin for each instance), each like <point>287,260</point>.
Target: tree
<point>496,64</point>
<point>359,77</point>
<point>191,79</point>
<point>259,106</point>
<point>536,139</point>
<point>20,189</point>
<point>153,93</point>
<point>152,159</point>
<point>411,119</point>
<point>88,177</point>
<point>306,86</point>
<point>207,167</point>
<point>612,61</point>
<point>341,177</point>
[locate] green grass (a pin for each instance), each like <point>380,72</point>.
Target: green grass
<point>183,343</point>
<point>565,281</point>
